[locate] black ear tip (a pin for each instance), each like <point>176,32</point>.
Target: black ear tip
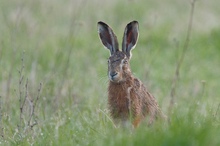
<point>132,23</point>
<point>100,22</point>
<point>102,25</point>
<point>135,21</point>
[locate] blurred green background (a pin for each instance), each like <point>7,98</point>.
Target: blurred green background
<point>51,49</point>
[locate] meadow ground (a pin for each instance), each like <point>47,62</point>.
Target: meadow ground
<point>53,67</point>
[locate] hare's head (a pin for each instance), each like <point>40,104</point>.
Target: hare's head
<point>118,63</point>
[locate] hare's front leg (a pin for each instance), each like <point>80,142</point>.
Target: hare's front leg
<point>137,121</point>
<point>134,108</point>
<point>137,112</point>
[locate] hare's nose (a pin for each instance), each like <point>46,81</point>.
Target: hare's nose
<point>112,74</point>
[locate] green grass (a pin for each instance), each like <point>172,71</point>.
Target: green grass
<point>60,48</point>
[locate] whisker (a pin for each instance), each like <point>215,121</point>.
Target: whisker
<point>103,79</point>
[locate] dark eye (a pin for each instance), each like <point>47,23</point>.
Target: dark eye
<point>125,61</point>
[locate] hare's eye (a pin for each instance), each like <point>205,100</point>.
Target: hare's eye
<point>125,61</point>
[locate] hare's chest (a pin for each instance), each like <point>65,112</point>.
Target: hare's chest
<point>119,102</point>
<point>119,106</point>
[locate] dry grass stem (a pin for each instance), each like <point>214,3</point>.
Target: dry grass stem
<point>180,61</point>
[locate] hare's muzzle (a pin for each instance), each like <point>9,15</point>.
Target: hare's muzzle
<point>113,75</point>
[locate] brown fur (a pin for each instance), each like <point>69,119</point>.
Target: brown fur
<point>128,98</point>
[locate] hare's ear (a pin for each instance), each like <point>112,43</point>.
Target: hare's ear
<point>130,38</point>
<point>108,37</point>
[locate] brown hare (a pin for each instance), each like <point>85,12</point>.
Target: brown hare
<point>128,98</point>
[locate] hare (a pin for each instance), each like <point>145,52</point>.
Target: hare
<point>128,98</point>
